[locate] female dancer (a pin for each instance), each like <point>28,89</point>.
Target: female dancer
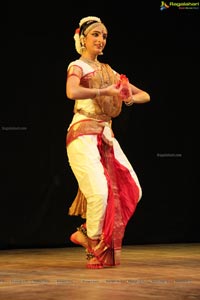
<point>108,187</point>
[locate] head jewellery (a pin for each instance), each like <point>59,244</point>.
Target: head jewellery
<point>88,19</point>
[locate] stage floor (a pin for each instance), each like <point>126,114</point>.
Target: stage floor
<point>166,271</point>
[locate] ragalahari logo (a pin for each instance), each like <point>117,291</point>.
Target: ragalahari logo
<point>179,5</point>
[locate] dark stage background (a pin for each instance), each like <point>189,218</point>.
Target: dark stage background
<point>159,52</point>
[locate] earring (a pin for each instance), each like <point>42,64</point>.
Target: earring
<point>82,48</point>
<point>82,42</point>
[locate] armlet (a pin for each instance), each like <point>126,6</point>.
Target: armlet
<point>74,71</point>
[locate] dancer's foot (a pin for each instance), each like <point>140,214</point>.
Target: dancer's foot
<point>79,238</point>
<point>93,262</point>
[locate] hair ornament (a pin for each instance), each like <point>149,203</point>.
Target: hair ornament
<point>88,19</point>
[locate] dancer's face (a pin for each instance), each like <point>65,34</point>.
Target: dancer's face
<point>95,40</point>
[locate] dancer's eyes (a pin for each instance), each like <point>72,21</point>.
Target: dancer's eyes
<point>97,34</point>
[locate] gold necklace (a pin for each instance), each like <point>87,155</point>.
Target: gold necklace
<point>94,63</point>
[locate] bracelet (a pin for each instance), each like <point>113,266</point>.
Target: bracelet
<point>98,93</point>
<point>130,102</point>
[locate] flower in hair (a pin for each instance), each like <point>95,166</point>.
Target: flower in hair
<point>77,41</point>
<point>77,30</point>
